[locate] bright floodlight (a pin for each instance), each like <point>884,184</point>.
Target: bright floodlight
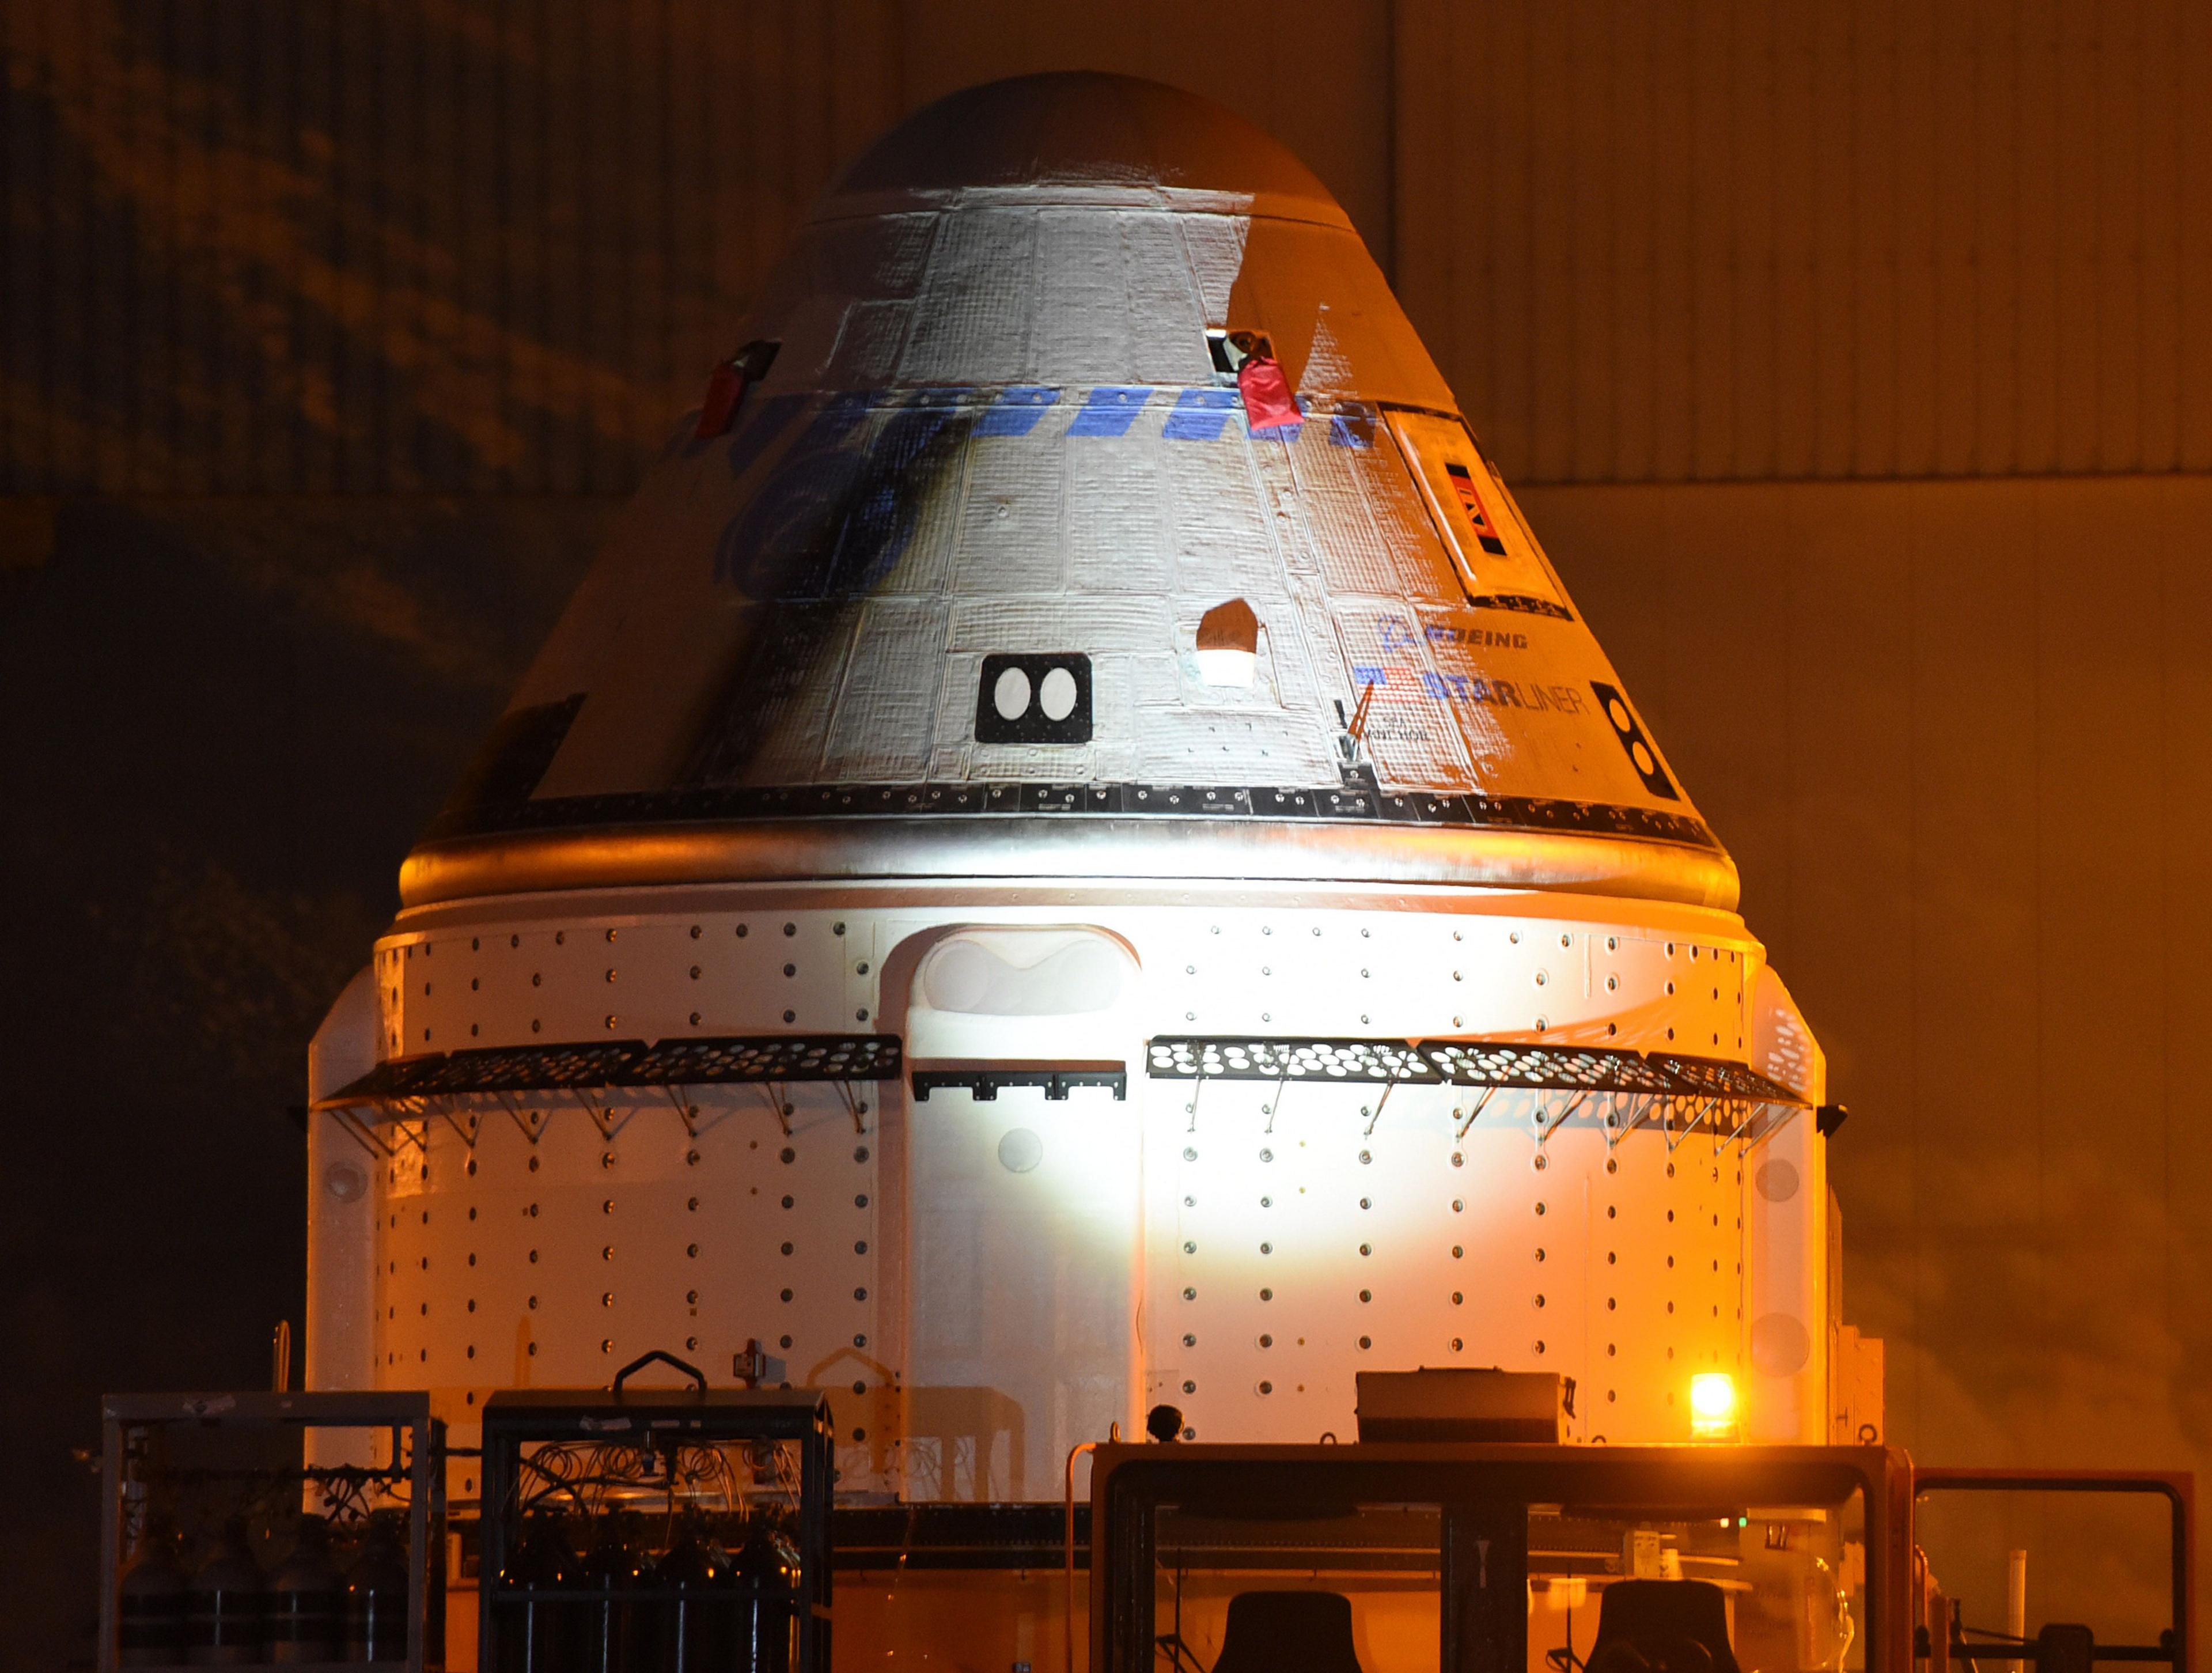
<point>1712,1406</point>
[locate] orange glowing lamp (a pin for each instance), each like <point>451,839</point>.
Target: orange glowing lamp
<point>1712,1406</point>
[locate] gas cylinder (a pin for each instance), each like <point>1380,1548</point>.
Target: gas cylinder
<point>767,1581</point>
<point>376,1593</point>
<point>224,1606</point>
<point>150,1600</point>
<point>537,1631</point>
<point>307,1599</point>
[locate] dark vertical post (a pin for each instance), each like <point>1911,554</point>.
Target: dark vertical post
<point>1485,1588</point>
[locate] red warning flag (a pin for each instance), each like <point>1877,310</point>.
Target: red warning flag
<point>1268,404</point>
<point>725,392</point>
<point>1486,532</point>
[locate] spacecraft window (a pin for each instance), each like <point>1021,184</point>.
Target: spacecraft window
<point>1033,699</point>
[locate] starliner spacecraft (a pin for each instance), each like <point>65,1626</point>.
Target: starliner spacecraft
<point>1074,872</point>
<point>1196,912</point>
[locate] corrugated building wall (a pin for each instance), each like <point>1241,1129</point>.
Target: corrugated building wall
<point>1759,239</point>
<point>400,245</point>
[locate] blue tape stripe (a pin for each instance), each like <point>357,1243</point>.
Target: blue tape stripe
<point>1017,411</point>
<point>1354,426</point>
<point>1110,410</point>
<point>1200,415</point>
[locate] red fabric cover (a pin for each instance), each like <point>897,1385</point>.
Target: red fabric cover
<point>725,392</point>
<point>1268,404</point>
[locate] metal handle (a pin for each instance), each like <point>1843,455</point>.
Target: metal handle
<point>665,1358</point>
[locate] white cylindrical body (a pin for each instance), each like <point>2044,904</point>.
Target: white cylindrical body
<point>1003,667</point>
<point>985,1282</point>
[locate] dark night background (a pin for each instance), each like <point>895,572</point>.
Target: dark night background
<point>226,722</point>
<point>1853,358</point>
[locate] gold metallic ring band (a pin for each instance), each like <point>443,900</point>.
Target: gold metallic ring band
<point>1048,848</point>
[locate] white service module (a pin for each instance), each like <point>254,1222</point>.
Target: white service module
<point>1073,854</point>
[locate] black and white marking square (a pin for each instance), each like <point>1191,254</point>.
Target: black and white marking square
<point>1039,699</point>
<point>1630,730</point>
